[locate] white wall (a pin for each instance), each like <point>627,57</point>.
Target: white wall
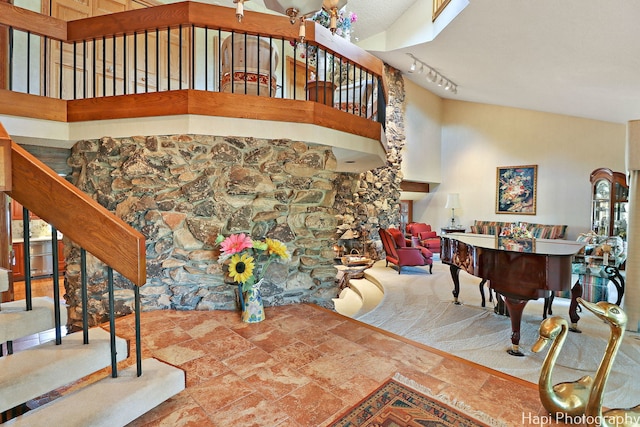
<point>423,118</point>
<point>478,138</point>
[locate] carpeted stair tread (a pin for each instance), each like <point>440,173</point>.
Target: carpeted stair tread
<point>348,303</point>
<point>110,401</point>
<point>38,370</point>
<point>374,279</point>
<point>370,293</point>
<point>16,322</point>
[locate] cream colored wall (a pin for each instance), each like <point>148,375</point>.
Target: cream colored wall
<point>478,138</point>
<point>423,118</point>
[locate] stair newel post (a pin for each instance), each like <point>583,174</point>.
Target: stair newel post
<point>112,323</point>
<point>56,285</point>
<point>27,257</point>
<point>136,295</point>
<point>84,295</point>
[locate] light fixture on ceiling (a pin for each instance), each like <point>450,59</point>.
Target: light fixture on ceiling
<point>432,75</point>
<point>332,7</point>
<point>239,9</point>
<point>301,9</point>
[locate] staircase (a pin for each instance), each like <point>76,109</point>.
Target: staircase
<point>47,369</point>
<point>359,297</point>
<point>88,377</point>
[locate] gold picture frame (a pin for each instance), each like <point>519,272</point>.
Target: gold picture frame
<point>516,189</point>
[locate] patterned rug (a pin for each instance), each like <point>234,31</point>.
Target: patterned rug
<point>398,403</point>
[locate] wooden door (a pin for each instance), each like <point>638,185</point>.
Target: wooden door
<point>299,83</point>
<point>18,261</point>
<point>63,76</point>
<point>157,60</point>
<point>151,61</point>
<point>5,243</point>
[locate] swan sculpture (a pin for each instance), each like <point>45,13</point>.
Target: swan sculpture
<point>617,320</point>
<point>568,398</point>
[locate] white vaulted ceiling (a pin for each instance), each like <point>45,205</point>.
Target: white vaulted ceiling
<point>574,57</point>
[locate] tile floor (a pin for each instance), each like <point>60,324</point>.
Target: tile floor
<point>304,366</point>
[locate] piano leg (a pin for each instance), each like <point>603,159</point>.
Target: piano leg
<point>455,273</point>
<point>500,307</point>
<point>515,307</point>
<point>576,291</point>
<point>481,287</point>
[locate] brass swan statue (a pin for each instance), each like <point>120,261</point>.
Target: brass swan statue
<point>617,320</point>
<point>567,398</point>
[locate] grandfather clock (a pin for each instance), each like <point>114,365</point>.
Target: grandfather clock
<point>609,202</point>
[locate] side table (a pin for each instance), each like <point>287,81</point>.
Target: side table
<point>346,273</point>
<point>447,230</point>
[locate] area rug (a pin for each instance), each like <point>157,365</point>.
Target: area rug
<point>400,402</point>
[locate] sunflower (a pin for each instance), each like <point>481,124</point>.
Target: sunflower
<point>241,267</point>
<point>276,247</point>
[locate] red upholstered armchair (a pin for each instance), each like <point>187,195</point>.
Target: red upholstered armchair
<point>399,253</point>
<point>428,238</point>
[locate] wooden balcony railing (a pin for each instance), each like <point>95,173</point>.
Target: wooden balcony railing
<point>186,56</point>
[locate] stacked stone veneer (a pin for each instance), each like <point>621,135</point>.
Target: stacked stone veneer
<point>182,191</point>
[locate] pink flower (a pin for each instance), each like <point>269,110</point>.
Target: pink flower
<point>353,17</point>
<point>236,243</point>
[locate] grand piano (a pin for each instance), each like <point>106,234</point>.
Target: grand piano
<point>519,270</point>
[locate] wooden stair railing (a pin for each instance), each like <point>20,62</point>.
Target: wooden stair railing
<point>76,215</point>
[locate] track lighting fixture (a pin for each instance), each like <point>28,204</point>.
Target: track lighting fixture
<point>432,75</point>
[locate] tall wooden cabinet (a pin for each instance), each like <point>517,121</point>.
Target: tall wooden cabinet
<point>609,202</point>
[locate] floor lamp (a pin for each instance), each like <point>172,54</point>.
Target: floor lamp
<point>453,202</point>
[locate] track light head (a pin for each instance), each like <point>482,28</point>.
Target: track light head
<point>431,74</point>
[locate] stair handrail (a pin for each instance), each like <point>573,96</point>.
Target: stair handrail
<point>71,211</point>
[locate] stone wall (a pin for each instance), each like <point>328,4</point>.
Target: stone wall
<point>374,200</point>
<point>181,191</point>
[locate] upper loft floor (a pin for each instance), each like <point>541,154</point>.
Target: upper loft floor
<point>188,68</point>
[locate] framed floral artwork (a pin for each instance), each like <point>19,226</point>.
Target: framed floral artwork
<point>516,188</point>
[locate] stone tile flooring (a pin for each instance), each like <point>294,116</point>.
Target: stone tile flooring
<point>304,366</point>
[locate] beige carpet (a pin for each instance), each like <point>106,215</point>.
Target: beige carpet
<point>418,306</point>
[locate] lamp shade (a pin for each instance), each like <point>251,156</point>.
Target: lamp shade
<point>303,7</point>
<point>349,234</point>
<point>453,201</point>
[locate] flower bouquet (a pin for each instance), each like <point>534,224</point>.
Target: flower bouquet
<point>247,261</point>
<point>516,238</point>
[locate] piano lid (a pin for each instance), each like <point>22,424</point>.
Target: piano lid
<point>536,246</point>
